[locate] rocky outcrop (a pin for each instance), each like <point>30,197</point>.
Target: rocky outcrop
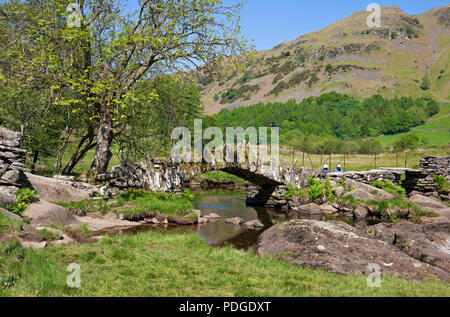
<point>46,213</point>
<point>430,204</point>
<point>339,248</point>
<point>57,189</point>
<point>12,165</point>
<point>428,243</point>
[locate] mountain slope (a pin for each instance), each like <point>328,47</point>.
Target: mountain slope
<point>347,57</point>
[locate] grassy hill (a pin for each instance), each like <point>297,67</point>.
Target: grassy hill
<point>436,130</point>
<point>347,57</point>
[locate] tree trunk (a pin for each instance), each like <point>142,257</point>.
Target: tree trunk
<point>103,153</point>
<point>80,151</point>
<point>35,159</point>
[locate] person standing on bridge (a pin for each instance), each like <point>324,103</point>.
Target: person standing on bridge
<point>338,169</point>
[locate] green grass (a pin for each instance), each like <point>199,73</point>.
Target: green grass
<point>220,176</point>
<point>137,202</point>
<point>359,162</point>
<point>157,264</point>
<point>434,138</point>
<point>8,225</point>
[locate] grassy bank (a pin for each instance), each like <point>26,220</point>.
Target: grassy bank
<point>155,264</point>
<point>137,202</point>
<point>220,176</point>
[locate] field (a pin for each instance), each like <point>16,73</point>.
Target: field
<point>436,130</point>
<point>166,264</point>
<point>357,162</point>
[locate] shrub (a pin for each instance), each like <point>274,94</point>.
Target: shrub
<point>389,187</point>
<point>441,183</point>
<point>25,196</point>
<point>315,189</point>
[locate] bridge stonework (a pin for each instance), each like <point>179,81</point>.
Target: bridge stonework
<point>166,175</point>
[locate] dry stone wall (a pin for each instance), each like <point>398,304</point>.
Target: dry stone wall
<point>12,165</point>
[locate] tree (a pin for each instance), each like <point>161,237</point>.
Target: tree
<point>167,102</point>
<point>426,85</point>
<point>106,58</point>
<point>406,142</point>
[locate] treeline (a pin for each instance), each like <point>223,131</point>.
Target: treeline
<point>333,122</point>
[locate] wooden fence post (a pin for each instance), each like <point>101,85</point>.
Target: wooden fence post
<point>406,159</point>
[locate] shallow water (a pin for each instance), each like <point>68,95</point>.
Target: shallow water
<point>227,204</point>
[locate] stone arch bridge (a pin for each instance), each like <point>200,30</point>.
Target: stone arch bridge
<point>167,175</point>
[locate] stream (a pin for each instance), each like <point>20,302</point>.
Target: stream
<point>227,204</point>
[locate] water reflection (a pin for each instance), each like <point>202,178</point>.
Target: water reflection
<point>230,205</point>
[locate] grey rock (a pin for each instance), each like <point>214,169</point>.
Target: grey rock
<point>11,176</point>
<point>428,243</point>
<point>310,209</point>
<point>235,221</point>
<point>8,194</point>
<point>339,248</point>
<point>254,223</point>
<point>360,212</point>
<point>34,245</point>
<point>339,191</point>
<point>9,214</point>
<point>328,209</point>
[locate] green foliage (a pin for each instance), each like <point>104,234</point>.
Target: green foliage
<point>175,259</point>
<point>25,196</point>
<point>441,183</point>
<point>389,187</point>
<point>188,194</point>
<point>294,191</point>
<point>426,85</point>
<point>48,236</point>
<point>83,228</point>
<point>329,190</point>
<point>232,94</point>
<point>220,176</point>
<point>335,122</point>
<point>407,142</point>
<point>315,189</point>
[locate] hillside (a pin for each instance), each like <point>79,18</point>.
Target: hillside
<point>346,57</point>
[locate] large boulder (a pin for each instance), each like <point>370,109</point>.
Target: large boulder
<point>337,247</point>
<point>431,204</point>
<point>428,243</point>
<point>8,194</point>
<point>46,213</point>
<point>59,190</point>
<point>310,210</point>
<point>367,192</point>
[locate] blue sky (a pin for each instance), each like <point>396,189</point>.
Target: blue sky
<point>270,22</point>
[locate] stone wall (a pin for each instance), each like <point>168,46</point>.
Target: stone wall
<point>368,177</point>
<point>12,165</point>
<point>422,180</point>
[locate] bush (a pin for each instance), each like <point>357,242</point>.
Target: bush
<point>25,196</point>
<point>441,183</point>
<point>315,189</point>
<point>389,187</point>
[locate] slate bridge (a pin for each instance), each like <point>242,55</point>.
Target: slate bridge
<point>167,175</point>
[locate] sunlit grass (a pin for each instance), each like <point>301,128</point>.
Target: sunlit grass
<point>156,264</point>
